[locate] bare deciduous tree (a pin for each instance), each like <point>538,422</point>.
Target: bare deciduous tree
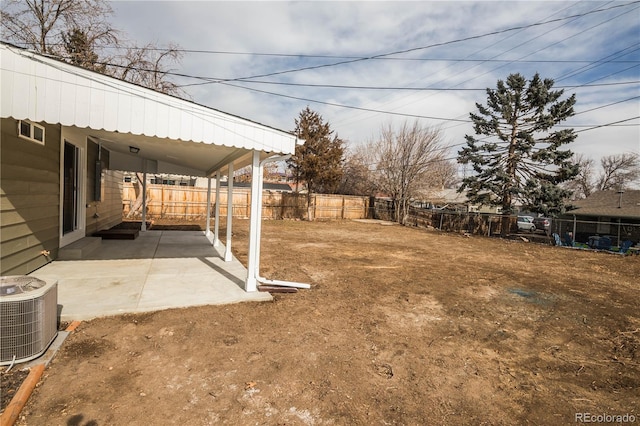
<point>41,25</point>
<point>78,31</point>
<point>444,174</point>
<point>271,173</point>
<point>582,185</point>
<point>148,67</point>
<point>138,188</point>
<point>407,164</point>
<point>618,171</point>
<point>357,177</point>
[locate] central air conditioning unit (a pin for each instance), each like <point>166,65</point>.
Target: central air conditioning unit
<point>28,317</point>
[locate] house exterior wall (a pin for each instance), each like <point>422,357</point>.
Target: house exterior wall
<point>30,198</point>
<point>110,208</point>
<point>104,211</point>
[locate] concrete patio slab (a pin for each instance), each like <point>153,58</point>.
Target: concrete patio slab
<point>158,270</point>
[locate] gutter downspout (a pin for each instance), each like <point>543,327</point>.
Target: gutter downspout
<point>253,264</point>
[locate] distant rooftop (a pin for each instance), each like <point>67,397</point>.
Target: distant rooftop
<point>610,204</point>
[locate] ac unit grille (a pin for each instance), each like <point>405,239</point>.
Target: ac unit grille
<point>28,319</point>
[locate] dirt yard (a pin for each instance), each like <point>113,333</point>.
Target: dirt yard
<point>402,326</point>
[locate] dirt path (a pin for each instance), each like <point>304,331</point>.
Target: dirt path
<point>401,326</point>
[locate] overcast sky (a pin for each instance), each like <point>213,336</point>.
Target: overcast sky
<point>459,48</point>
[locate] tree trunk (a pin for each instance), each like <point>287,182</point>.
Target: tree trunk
<point>138,203</point>
<point>310,216</point>
<point>505,225</point>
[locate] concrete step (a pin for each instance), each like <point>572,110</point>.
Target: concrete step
<point>118,234</point>
<point>79,249</point>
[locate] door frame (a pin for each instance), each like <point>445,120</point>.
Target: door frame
<point>80,142</point>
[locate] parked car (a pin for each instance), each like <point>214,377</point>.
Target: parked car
<point>542,224</point>
<point>525,223</point>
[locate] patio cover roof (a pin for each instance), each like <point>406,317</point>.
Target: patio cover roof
<point>173,135</point>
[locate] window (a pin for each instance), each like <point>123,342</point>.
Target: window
<point>31,131</point>
<point>604,225</point>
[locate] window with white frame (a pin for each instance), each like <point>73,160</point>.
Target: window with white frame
<point>31,131</point>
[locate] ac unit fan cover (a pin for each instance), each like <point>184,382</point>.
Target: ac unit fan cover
<point>28,317</point>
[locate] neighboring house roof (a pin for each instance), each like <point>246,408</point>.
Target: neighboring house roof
<point>172,134</point>
<point>452,196</point>
<point>609,204</point>
<point>449,196</point>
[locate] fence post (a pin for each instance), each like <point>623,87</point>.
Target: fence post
<point>372,208</point>
<point>186,205</point>
<point>315,205</point>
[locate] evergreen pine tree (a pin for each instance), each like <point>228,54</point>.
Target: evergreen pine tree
<point>319,162</point>
<point>519,155</point>
<point>80,51</point>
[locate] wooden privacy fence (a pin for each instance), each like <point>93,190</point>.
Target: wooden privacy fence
<point>188,202</point>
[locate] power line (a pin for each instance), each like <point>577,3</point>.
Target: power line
<point>607,105</point>
<point>495,43</point>
<point>413,49</point>
<point>566,38</point>
<point>410,115</point>
<point>316,56</point>
<point>398,88</point>
<point>355,87</point>
<point>342,105</point>
<point>385,56</point>
<point>462,121</point>
<point>599,62</point>
<point>542,48</point>
<point>608,124</point>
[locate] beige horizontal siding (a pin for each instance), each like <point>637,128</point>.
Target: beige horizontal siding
<point>19,229</point>
<point>11,171</point>
<point>29,199</point>
<point>20,201</point>
<point>109,210</point>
